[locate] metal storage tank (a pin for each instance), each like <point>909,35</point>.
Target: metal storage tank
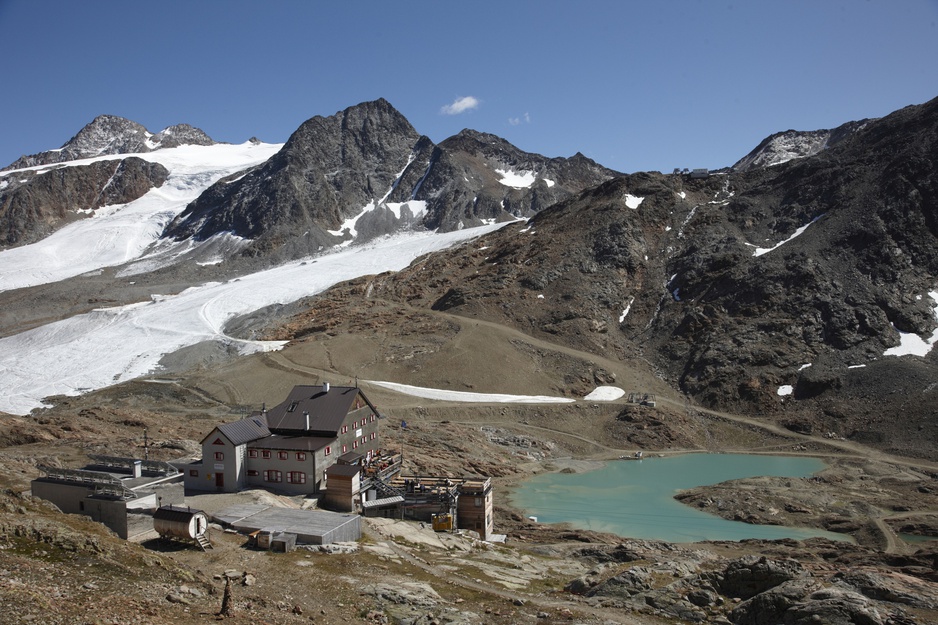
<point>179,522</point>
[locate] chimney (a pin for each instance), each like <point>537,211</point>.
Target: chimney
<point>138,468</point>
<point>306,416</point>
<point>325,387</point>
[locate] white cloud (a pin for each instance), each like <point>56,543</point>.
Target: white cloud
<point>517,121</point>
<point>460,105</point>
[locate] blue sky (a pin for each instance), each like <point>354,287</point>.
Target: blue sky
<point>634,85</point>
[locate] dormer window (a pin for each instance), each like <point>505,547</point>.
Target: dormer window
<point>293,406</point>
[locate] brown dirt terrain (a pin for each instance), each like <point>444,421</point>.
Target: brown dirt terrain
<point>64,569</point>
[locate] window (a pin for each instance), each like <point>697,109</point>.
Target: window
<point>252,472</point>
<point>273,476</point>
<point>301,456</point>
<point>293,406</point>
<point>252,453</point>
<point>328,450</point>
<point>193,473</point>
<point>374,435</point>
<point>344,429</point>
<point>296,477</point>
<point>219,455</point>
<point>373,418</point>
<point>266,454</point>
<point>355,445</point>
<point>283,455</point>
<point>478,502</point>
<point>344,448</point>
<point>364,438</point>
<point>355,425</point>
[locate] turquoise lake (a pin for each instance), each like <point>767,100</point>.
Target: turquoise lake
<point>635,498</point>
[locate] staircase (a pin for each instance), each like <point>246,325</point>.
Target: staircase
<point>203,542</point>
<point>387,490</point>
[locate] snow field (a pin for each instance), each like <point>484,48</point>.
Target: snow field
<point>121,233</point>
<point>107,346</point>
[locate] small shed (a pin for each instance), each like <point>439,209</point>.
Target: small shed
<point>283,542</point>
<point>179,522</point>
<point>343,483</point>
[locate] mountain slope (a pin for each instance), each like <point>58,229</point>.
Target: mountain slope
<point>782,147</point>
<point>32,205</point>
<point>365,172</point>
<point>732,285</point>
<point>109,134</point>
<point>330,167</point>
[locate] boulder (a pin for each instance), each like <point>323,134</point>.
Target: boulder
<point>749,576</point>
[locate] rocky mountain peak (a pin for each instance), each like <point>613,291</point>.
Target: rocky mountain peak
<point>111,134</point>
<point>788,145</point>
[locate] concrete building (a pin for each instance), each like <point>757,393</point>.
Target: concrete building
<point>121,493</point>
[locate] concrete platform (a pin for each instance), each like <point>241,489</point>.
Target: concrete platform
<point>312,527</point>
<point>238,512</point>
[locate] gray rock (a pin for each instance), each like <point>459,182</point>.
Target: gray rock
<point>32,205</point>
<point>627,583</point>
<point>749,576</point>
<point>799,602</point>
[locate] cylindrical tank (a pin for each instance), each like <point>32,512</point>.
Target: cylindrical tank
<point>179,522</point>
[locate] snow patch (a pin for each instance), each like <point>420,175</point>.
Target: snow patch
<point>625,313</point>
<point>466,397</point>
<point>763,250</point>
<point>911,344</point>
<point>785,390</point>
<point>605,393</point>
<point>633,201</point>
<point>516,180</point>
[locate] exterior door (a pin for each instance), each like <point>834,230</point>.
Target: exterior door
<point>220,480</point>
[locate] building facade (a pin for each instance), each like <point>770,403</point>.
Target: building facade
<point>290,447</point>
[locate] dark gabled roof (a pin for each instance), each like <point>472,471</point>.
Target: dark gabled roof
<point>327,409</point>
<point>292,443</point>
<point>244,431</point>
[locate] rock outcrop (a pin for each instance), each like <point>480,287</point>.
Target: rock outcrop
<point>32,205</point>
<point>792,144</point>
